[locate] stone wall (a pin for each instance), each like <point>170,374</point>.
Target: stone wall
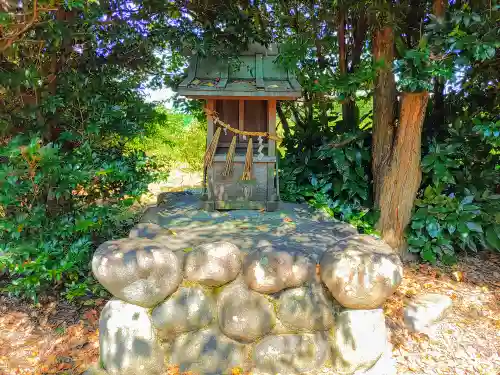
<point>212,309</point>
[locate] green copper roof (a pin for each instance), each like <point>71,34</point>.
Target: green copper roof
<point>257,75</point>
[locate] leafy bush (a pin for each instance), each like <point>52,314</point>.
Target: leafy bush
<point>57,205</point>
<point>333,179</point>
<point>442,222</point>
<point>458,208</point>
<point>173,139</point>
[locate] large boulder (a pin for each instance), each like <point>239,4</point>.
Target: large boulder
<point>213,264</point>
<point>137,270</point>
<point>358,340</point>
<point>361,272</point>
<point>268,271</point>
<point>422,314</point>
<point>206,352</point>
<point>186,310</point>
<point>306,309</point>
<point>290,354</point>
<point>244,315</point>
<point>127,342</point>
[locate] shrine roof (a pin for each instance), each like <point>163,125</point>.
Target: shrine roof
<point>257,74</point>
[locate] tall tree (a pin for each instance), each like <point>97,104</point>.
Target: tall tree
<point>396,146</point>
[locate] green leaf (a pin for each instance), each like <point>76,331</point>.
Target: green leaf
<point>468,199</point>
<point>429,192</point>
<point>492,238</point>
<point>415,224</point>
<point>428,255</point>
<point>474,227</point>
<point>416,242</point>
<point>421,213</point>
<point>433,228</point>
<point>83,225</point>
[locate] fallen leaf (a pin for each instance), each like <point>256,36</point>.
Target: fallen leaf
<point>458,276</point>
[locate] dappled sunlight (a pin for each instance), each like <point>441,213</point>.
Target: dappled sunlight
<point>290,229</point>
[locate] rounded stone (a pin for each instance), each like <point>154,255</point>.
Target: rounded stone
<point>244,315</point>
<point>127,342</point>
<point>290,354</point>
<point>361,272</point>
<point>206,352</point>
<point>358,340</point>
<point>268,271</point>
<point>213,264</point>
<point>306,309</point>
<point>137,270</point>
<point>186,310</point>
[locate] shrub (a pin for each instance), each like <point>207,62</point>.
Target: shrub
<point>335,180</point>
<point>457,208</point>
<point>57,205</point>
<point>173,139</point>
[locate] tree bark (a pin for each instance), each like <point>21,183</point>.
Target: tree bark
<point>348,106</point>
<point>402,174</point>
<point>384,102</point>
<point>438,110</point>
<point>283,119</point>
<point>439,8</point>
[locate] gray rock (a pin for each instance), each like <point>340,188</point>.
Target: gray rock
<point>361,272</point>
<point>136,270</point>
<point>268,271</point>
<point>186,310</point>
<point>150,231</point>
<point>206,352</point>
<point>244,315</point>
<point>127,342</point>
<point>213,264</point>
<point>421,314</point>
<point>358,340</point>
<point>290,354</point>
<point>306,309</point>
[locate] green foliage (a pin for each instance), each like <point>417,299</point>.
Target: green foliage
<point>70,103</point>
<point>443,222</point>
<point>334,180</point>
<point>58,205</point>
<point>457,209</point>
<point>173,139</point>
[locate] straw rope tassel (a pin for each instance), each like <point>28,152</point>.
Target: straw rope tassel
<point>247,172</point>
<point>228,169</point>
<point>210,153</point>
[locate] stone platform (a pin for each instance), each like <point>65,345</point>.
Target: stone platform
<point>294,227</point>
<point>287,292</point>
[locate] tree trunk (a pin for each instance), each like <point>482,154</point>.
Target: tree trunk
<point>348,106</point>
<point>384,102</point>
<point>439,8</point>
<point>283,119</point>
<point>438,110</point>
<point>402,174</point>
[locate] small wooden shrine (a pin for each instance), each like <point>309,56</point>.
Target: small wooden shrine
<point>240,161</point>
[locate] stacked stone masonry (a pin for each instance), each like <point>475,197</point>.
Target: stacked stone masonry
<point>212,309</point>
